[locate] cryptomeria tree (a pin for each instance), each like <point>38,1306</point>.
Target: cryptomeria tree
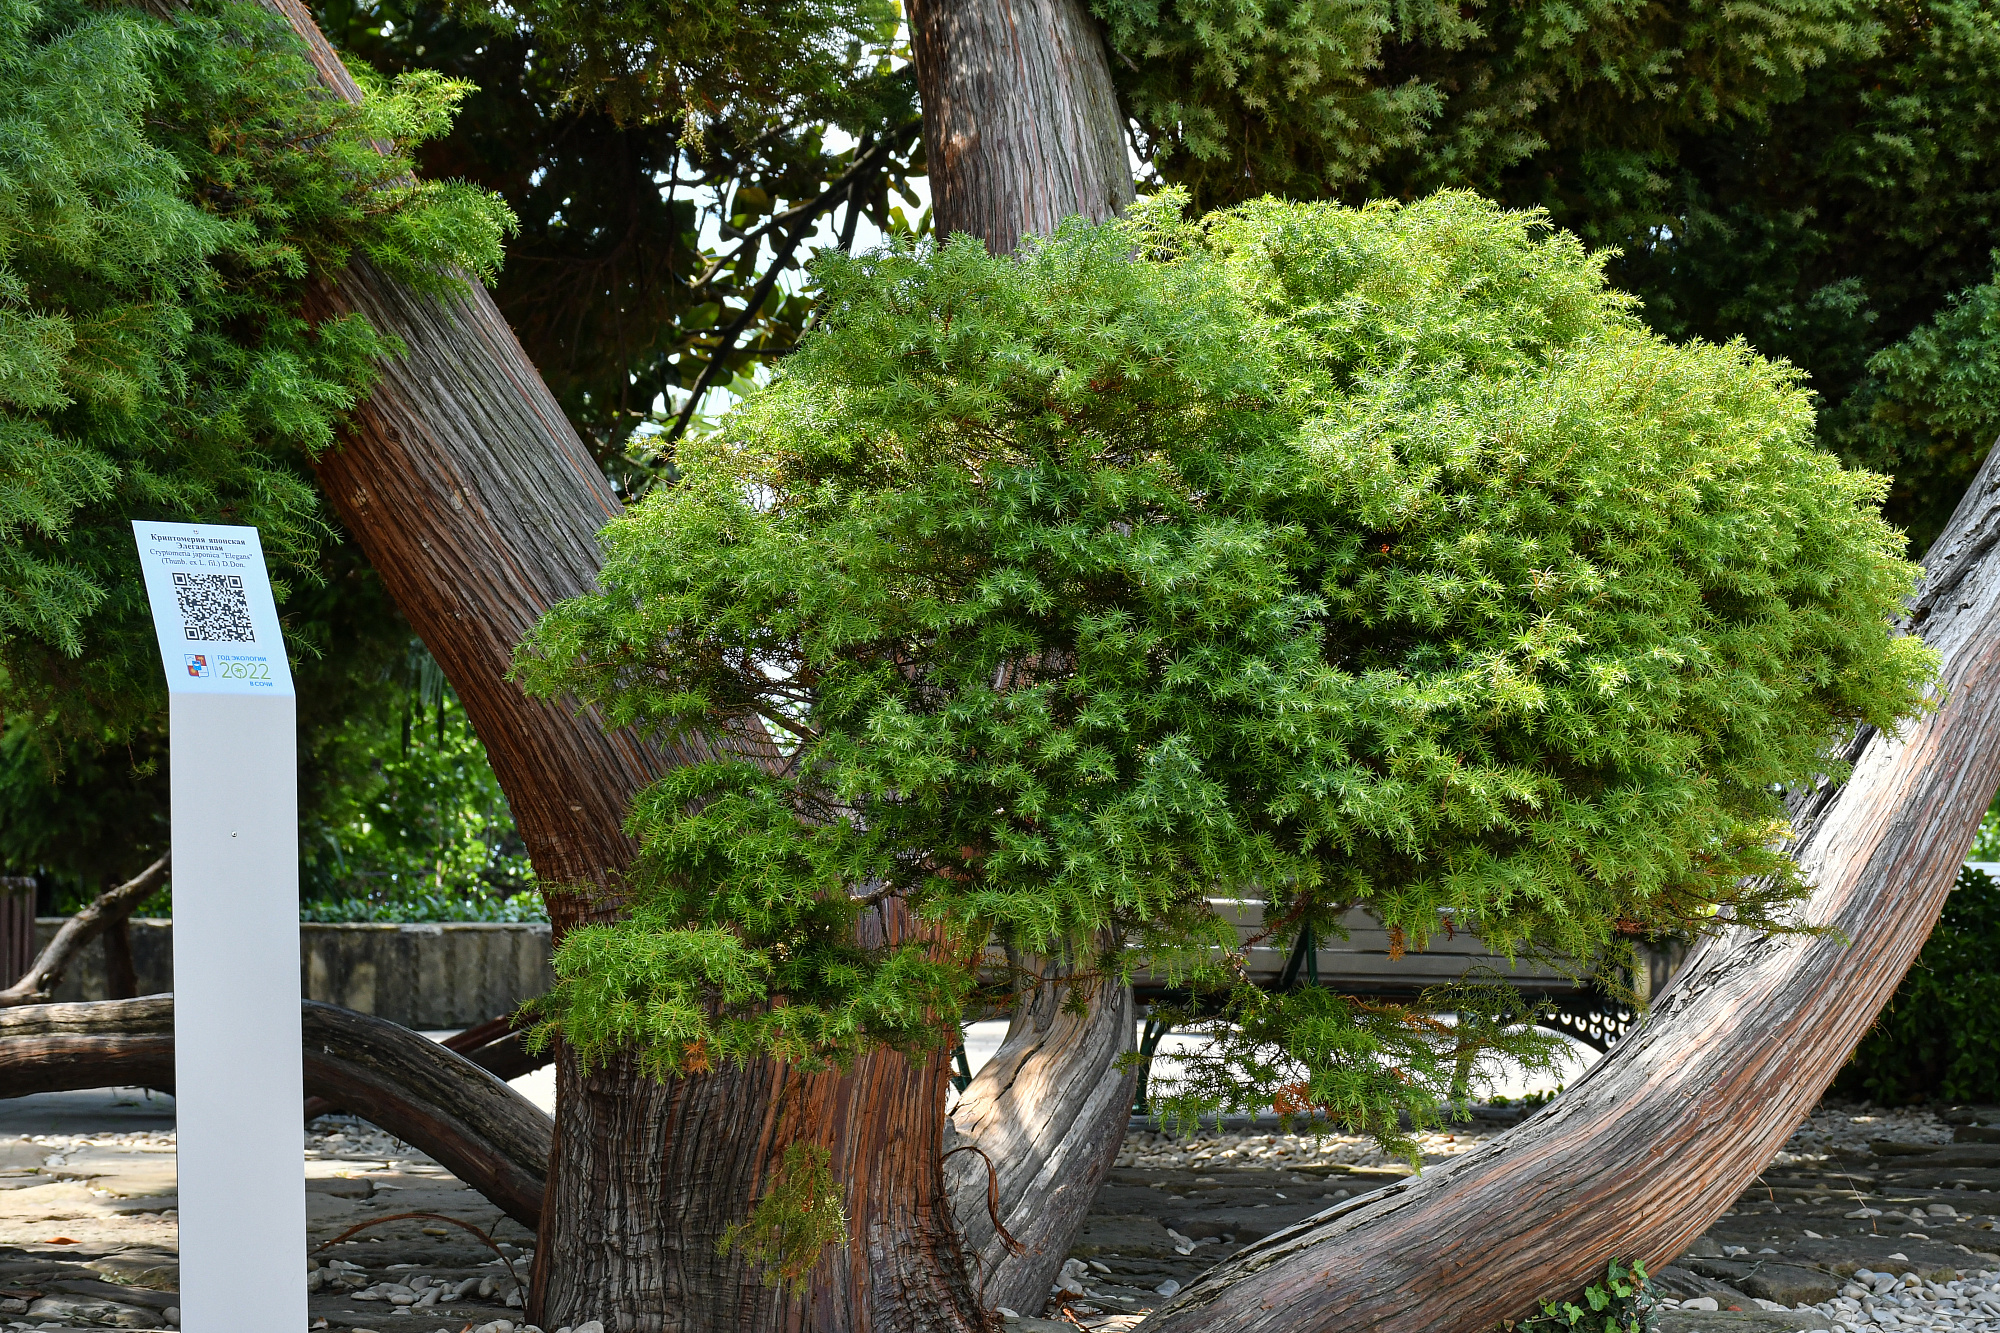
<point>1335,557</point>
<point>477,503</point>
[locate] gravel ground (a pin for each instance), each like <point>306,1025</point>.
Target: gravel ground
<point>1869,1219</point>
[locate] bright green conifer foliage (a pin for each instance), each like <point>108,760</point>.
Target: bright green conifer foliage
<point>167,190</point>
<point>1321,555</point>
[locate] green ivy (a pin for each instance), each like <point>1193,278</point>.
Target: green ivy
<point>1339,557</point>
<point>1626,1301</point>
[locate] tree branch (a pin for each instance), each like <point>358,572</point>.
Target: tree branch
<point>725,341</point>
<point>111,908</point>
<point>478,1128</point>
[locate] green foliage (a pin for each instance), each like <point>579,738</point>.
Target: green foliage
<point>1939,1037</point>
<point>421,832</point>
<point>1926,407</point>
<point>1625,1302</point>
<point>1332,556</point>
<point>793,1223</point>
<point>420,905</point>
<point>1840,223</point>
<point>1986,842</point>
<point>705,61</point>
<point>1366,1064</point>
<point>1306,98</point>
<point>1819,177</point>
<point>167,191</point>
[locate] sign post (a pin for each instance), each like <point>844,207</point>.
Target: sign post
<point>238,1077</point>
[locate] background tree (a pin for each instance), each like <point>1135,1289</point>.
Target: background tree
<point>156,363</point>
<point>667,201</point>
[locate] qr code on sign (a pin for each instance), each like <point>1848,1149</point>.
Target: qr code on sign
<point>214,608</point>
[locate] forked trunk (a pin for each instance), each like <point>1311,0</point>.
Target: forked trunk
<point>1662,1135</point>
<point>478,504</point>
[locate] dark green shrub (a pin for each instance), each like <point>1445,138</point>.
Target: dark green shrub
<point>1939,1037</point>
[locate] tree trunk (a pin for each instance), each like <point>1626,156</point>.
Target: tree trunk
<point>1663,1134</point>
<point>467,490</point>
<point>475,500</point>
<point>490,1136</point>
<point>479,506</point>
<point>1048,1111</point>
<point>1021,126</point>
<point>718,1139</point>
<point>1021,130</point>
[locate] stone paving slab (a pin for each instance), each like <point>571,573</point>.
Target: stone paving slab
<point>1737,1321</point>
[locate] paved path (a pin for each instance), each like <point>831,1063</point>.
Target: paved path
<point>1868,1219</point>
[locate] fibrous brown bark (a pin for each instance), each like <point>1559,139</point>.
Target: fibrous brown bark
<point>1659,1137</point>
<point>471,495</point>
<point>902,1268</point>
<point>1021,125</point>
<point>1048,1111</point>
<point>484,1132</point>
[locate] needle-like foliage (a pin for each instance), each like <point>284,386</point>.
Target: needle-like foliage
<point>1324,556</point>
<point>167,191</point>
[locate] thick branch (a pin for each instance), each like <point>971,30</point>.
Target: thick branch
<point>111,907</point>
<point>1049,1109</point>
<point>1656,1141</point>
<point>495,1046</point>
<point>481,1130</point>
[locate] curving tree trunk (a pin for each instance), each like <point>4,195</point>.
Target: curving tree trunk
<point>1663,1134</point>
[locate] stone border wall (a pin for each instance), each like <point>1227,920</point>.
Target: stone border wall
<point>428,976</point>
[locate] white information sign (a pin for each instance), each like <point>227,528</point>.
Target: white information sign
<point>238,1076</point>
<point>212,609</point>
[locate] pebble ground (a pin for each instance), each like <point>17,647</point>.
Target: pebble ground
<point>1868,1219</point>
